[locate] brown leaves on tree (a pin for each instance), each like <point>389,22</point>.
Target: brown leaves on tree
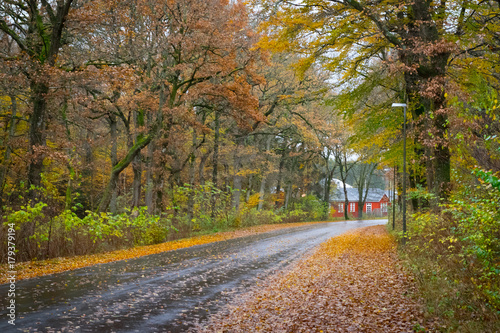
<point>352,283</point>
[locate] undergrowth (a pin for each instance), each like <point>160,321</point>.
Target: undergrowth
<point>43,231</point>
<point>455,255</point>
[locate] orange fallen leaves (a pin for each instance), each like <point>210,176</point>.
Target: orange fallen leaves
<point>30,269</point>
<point>351,283</point>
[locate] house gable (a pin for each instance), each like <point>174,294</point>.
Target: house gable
<point>385,198</point>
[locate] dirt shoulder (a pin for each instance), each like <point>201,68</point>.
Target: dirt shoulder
<point>27,270</point>
<point>352,283</point>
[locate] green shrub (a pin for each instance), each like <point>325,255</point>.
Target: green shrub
<point>477,216</point>
<point>455,254</point>
<point>314,208</point>
<point>253,216</point>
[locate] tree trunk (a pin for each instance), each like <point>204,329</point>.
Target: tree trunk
<point>431,71</point>
<point>137,182</point>
<point>149,199</point>
<point>361,200</point>
<point>363,183</point>
<point>262,192</point>
<point>326,197</point>
<point>287,195</point>
<point>328,183</point>
<point>192,179</point>
<point>215,161</point>
<point>236,191</point>
<point>137,164</point>
<point>263,180</point>
<point>149,196</point>
<point>159,188</point>
<point>39,90</point>
<point>280,175</point>
<point>215,156</point>
<point>71,170</point>
<point>328,186</point>
<point>343,177</point>
<point>37,139</point>
<point>442,160</point>
<point>114,159</point>
<point>346,203</point>
<point>201,167</point>
<point>236,177</point>
<point>69,187</point>
<point>88,169</point>
<point>38,38</point>
<point>6,158</point>
<point>155,184</point>
<point>119,167</point>
<point>249,188</point>
<point>413,184</point>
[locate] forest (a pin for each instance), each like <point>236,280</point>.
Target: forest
<point>134,122</point>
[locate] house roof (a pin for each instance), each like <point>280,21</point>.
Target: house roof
<point>340,184</point>
<point>374,195</point>
<point>335,181</point>
<point>389,194</point>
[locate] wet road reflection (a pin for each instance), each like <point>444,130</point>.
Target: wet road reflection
<point>164,292</point>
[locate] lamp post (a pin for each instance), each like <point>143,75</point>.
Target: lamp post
<point>403,198</point>
<point>394,199</point>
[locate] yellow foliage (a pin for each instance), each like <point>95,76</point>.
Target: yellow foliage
<point>253,201</point>
<point>358,243</point>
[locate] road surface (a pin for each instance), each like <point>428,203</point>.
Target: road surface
<point>164,292</point>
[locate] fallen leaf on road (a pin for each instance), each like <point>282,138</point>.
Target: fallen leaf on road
<point>352,283</point>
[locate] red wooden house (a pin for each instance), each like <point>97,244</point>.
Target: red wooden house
<point>376,202</point>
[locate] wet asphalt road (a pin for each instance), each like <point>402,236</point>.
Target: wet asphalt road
<point>164,292</point>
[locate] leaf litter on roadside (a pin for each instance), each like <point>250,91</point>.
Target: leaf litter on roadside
<point>351,283</point>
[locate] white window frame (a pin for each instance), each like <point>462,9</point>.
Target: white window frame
<point>352,207</point>
<point>368,204</point>
<point>384,207</point>
<point>341,207</point>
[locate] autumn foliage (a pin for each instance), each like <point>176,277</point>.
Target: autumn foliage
<point>132,123</point>
<point>441,59</point>
<point>351,282</point>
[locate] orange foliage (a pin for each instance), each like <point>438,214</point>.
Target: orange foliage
<point>352,283</point>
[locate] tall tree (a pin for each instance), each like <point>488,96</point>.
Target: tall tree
<point>415,40</point>
<point>343,158</point>
<point>38,29</point>
<point>363,178</point>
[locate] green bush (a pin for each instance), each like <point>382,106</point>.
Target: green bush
<point>312,206</point>
<point>455,254</point>
<point>253,216</point>
<point>68,234</point>
<point>477,216</point>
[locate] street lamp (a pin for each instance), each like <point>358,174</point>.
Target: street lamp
<point>403,198</point>
<point>394,199</point>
